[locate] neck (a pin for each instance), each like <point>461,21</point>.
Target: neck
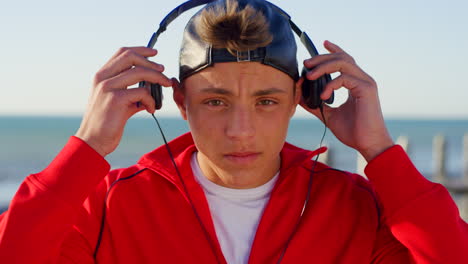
<point>239,178</point>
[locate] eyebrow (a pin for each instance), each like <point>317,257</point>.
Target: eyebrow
<point>269,91</point>
<point>216,91</point>
<point>222,91</point>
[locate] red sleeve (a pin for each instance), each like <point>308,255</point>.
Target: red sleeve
<point>420,214</point>
<point>45,207</point>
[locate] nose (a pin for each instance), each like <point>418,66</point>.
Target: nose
<point>241,125</point>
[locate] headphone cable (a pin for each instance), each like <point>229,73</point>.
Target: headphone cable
<point>309,188</point>
<point>186,191</point>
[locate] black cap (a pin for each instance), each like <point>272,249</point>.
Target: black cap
<point>196,55</point>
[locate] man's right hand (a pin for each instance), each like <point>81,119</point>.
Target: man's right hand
<point>111,103</point>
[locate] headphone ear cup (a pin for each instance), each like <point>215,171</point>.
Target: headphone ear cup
<point>326,79</point>
<point>312,89</point>
<point>156,93</point>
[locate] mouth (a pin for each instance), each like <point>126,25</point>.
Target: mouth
<point>242,158</point>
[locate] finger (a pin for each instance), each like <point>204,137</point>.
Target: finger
<point>143,51</point>
<point>133,76</point>
<point>336,53</point>
<point>332,47</point>
<point>316,60</point>
<point>337,65</point>
<point>125,61</point>
<point>128,59</point>
<point>343,80</point>
<point>143,97</point>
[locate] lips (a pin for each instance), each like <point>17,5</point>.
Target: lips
<point>242,157</point>
<point>241,154</point>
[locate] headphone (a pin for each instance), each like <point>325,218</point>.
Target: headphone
<point>311,89</point>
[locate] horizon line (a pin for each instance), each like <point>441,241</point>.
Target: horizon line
<point>171,115</point>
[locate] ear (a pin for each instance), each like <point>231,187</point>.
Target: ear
<point>297,95</point>
<point>298,91</point>
<point>179,97</point>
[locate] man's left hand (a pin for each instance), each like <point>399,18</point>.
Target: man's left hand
<point>358,123</point>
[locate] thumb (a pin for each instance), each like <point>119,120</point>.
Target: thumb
<point>316,112</point>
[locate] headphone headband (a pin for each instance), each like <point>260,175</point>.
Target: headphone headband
<point>182,8</point>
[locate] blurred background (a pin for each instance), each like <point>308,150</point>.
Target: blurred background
<point>50,51</point>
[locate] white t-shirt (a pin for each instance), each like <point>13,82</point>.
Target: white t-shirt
<point>235,212</point>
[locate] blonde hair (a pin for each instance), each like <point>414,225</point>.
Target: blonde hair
<point>234,29</point>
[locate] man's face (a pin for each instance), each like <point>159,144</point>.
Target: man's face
<point>238,114</point>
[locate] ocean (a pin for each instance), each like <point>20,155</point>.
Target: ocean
<point>28,144</point>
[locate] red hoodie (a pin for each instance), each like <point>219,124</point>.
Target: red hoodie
<point>396,217</point>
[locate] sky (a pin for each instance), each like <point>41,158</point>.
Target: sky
<point>416,50</point>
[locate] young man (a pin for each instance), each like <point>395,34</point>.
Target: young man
<point>238,193</point>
